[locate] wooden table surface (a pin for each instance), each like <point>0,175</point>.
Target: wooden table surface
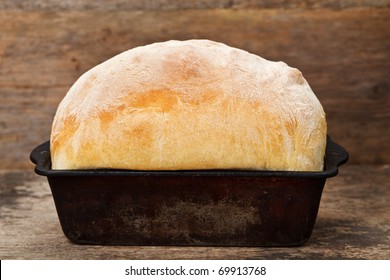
<point>353,223</point>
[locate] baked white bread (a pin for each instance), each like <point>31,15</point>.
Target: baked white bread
<point>196,104</point>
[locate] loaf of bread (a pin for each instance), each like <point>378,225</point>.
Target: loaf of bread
<point>182,105</point>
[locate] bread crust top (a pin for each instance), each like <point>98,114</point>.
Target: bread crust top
<point>195,104</point>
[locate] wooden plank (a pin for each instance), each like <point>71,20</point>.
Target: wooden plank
<point>352,223</point>
<point>344,55</point>
<point>164,5</point>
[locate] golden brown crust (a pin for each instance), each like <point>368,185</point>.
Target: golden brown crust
<point>194,104</point>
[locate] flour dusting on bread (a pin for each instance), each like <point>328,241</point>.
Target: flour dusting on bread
<point>193,104</point>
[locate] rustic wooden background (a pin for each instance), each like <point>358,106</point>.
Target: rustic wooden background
<point>342,48</point>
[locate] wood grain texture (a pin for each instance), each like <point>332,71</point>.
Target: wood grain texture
<point>353,223</point>
<point>344,55</point>
<point>164,5</point>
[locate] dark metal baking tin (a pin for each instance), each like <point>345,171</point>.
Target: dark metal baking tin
<point>194,208</point>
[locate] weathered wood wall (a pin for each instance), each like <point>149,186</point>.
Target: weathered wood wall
<point>342,48</point>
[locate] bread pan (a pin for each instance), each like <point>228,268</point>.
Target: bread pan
<point>187,208</point>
